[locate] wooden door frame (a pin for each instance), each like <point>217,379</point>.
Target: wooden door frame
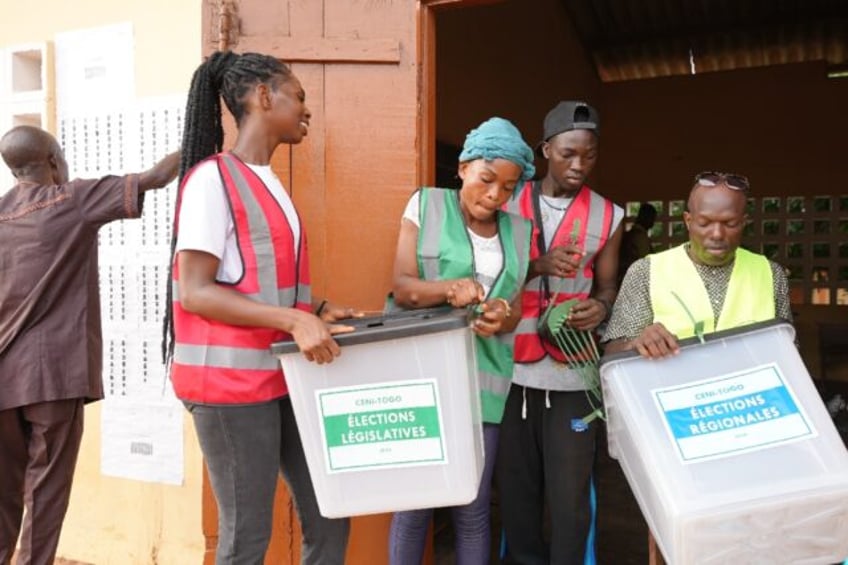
<point>426,38</point>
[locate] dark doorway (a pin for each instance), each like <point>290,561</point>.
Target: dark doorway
<point>682,86</point>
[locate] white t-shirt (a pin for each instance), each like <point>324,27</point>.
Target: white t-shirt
<point>552,210</point>
<point>488,255</point>
<point>207,225</point>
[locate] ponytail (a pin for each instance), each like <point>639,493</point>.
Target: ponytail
<point>224,75</point>
<point>203,134</point>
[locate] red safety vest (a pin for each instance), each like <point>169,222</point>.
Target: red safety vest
<point>596,215</point>
<point>219,363</point>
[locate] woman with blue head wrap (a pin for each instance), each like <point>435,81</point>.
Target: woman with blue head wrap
<point>497,138</point>
<point>460,248</point>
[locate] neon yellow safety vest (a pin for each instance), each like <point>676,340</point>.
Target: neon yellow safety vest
<point>749,299</point>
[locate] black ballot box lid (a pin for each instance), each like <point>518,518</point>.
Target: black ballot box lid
<point>392,325</point>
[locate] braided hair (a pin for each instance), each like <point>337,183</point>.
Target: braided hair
<point>229,76</point>
<point>224,75</point>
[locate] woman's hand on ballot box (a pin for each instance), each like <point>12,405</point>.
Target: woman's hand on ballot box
<point>313,337</point>
<point>463,292</point>
<point>495,316</point>
<point>330,312</point>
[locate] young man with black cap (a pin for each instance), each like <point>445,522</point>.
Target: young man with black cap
<point>547,450</point>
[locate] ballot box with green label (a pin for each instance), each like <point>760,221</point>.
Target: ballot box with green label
<point>730,451</point>
<point>394,422</point>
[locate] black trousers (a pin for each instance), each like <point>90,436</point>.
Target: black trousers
<point>546,457</point>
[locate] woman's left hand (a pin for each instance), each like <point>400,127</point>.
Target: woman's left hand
<point>333,313</point>
<point>489,322</point>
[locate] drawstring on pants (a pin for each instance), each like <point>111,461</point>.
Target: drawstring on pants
<point>524,403</point>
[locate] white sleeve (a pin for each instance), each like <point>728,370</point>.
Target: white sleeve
<point>411,212</point>
<point>205,220</point>
<point>617,216</point>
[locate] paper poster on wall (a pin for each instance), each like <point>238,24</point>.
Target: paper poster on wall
<point>95,70</point>
<point>133,273</point>
<point>144,440</point>
<point>732,414</point>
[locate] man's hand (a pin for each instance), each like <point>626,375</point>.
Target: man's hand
<point>656,342</point>
<point>160,174</point>
<point>561,261</point>
<point>587,314</point>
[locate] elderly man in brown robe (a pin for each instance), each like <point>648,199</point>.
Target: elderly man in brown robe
<point>50,342</point>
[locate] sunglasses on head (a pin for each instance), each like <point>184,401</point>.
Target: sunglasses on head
<point>731,181</point>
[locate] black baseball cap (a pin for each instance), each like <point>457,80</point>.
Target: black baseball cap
<point>569,115</point>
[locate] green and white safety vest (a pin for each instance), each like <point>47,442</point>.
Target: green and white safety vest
<point>445,252</point>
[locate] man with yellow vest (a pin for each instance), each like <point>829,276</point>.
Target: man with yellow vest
<point>721,285</point>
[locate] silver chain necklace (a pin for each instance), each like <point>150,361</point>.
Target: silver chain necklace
<point>551,206</point>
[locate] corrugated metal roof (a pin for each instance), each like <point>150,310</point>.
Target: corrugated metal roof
<point>635,39</point>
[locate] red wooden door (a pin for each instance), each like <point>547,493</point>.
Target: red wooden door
<point>368,68</point>
<point>352,175</point>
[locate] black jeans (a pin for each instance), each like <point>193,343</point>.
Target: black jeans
<point>245,447</point>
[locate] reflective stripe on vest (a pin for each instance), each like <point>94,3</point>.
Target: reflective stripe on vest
<point>749,298</point>
<point>218,356</point>
<point>596,215</point>
<point>219,363</point>
<point>445,252</point>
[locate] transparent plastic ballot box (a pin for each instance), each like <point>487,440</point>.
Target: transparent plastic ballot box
<point>394,422</point>
<point>730,451</point>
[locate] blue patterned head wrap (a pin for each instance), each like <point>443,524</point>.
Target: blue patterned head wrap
<point>497,138</point>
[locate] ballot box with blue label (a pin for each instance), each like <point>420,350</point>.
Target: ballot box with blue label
<point>730,451</point>
<point>394,423</point>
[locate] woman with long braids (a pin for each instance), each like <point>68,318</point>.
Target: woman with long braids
<point>241,282</point>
